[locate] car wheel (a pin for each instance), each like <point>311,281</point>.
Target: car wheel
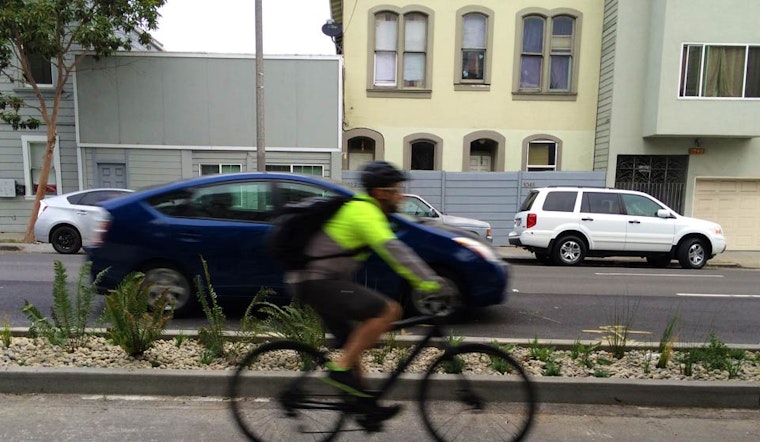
<point>692,254</point>
<point>659,260</point>
<point>168,281</point>
<point>449,301</point>
<point>66,240</point>
<point>569,250</point>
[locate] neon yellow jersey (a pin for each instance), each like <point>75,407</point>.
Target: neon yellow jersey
<point>360,222</point>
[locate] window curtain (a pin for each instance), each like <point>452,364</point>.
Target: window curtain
<point>386,41</point>
<point>724,71</point>
<point>473,46</point>
<point>533,46</point>
<point>415,46</point>
<point>559,79</point>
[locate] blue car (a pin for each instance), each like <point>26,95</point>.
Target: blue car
<point>165,231</point>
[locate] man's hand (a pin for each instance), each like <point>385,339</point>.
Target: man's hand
<point>429,286</point>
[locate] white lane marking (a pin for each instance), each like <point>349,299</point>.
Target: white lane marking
<point>716,295</point>
<point>671,275</point>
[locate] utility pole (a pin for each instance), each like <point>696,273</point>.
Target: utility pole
<point>260,143</point>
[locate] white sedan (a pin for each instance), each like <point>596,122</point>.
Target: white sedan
<point>62,219</point>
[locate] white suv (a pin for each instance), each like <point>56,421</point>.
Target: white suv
<point>563,225</point>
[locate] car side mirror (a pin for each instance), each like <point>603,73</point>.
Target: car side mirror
<point>664,213</point>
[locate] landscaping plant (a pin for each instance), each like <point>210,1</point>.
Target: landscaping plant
<point>135,324</point>
<point>69,316</point>
<point>212,337</point>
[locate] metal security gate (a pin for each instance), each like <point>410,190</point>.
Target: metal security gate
<point>662,176</point>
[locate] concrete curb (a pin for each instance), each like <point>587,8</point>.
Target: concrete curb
<point>105,381</point>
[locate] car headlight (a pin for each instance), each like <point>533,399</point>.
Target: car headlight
<point>485,251</point>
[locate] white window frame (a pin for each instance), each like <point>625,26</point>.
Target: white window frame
<point>26,141</point>
<point>542,167</point>
<point>53,78</point>
<point>684,70</point>
<point>220,165</point>
<point>292,166</point>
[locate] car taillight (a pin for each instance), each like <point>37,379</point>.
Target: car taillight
<point>99,232</point>
<point>43,206</point>
<point>532,218</point>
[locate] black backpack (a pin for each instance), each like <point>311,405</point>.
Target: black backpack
<point>295,225</point>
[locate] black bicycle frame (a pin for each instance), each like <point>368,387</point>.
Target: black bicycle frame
<point>436,322</point>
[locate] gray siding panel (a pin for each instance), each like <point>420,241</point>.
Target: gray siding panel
<point>194,100</point>
<point>606,79</point>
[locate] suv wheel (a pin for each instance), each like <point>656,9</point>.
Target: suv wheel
<point>569,250</point>
<point>692,254</point>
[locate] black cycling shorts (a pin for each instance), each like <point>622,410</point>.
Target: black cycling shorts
<point>340,303</point>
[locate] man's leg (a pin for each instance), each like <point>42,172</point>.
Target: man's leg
<point>366,335</point>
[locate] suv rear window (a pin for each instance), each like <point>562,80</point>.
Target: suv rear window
<point>528,201</point>
<point>560,201</point>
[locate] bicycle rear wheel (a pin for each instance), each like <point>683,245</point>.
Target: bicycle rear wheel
<point>483,389</point>
<point>270,405</point>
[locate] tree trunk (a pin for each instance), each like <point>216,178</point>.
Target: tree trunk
<point>42,184</point>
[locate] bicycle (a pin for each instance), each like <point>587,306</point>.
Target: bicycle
<point>310,409</point>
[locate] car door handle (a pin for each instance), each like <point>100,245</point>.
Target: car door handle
<point>190,236</point>
<point>81,212</point>
<point>633,221</point>
<point>587,219</point>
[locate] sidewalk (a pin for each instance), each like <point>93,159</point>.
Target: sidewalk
<point>749,259</point>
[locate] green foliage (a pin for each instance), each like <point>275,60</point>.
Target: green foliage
<point>498,364</point>
<point>180,339</point>
<point>134,324</point>
<point>622,319</point>
<point>540,353</point>
<point>601,373</point>
<point>667,340</point>
<point>381,353</point>
<point>50,29</point>
<point>250,324</point>
<point>5,334</point>
<point>69,317</point>
<point>453,365</point>
<point>583,352</point>
<point>714,355</point>
<point>211,337</point>
<point>295,321</point>
<point>552,368</point>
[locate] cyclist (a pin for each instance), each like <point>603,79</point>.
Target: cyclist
<point>327,284</point>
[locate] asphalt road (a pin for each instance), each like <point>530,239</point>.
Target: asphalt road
<point>138,418</point>
<point>545,302</point>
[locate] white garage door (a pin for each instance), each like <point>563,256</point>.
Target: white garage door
<point>735,205</point>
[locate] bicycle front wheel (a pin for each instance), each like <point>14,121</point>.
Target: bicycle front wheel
<point>477,387</point>
<point>269,404</point>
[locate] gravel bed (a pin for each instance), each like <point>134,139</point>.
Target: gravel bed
<point>189,354</point>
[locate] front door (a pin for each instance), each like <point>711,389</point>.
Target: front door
<point>112,175</point>
<point>646,232</point>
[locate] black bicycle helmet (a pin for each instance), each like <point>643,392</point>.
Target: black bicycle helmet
<point>381,174</point>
